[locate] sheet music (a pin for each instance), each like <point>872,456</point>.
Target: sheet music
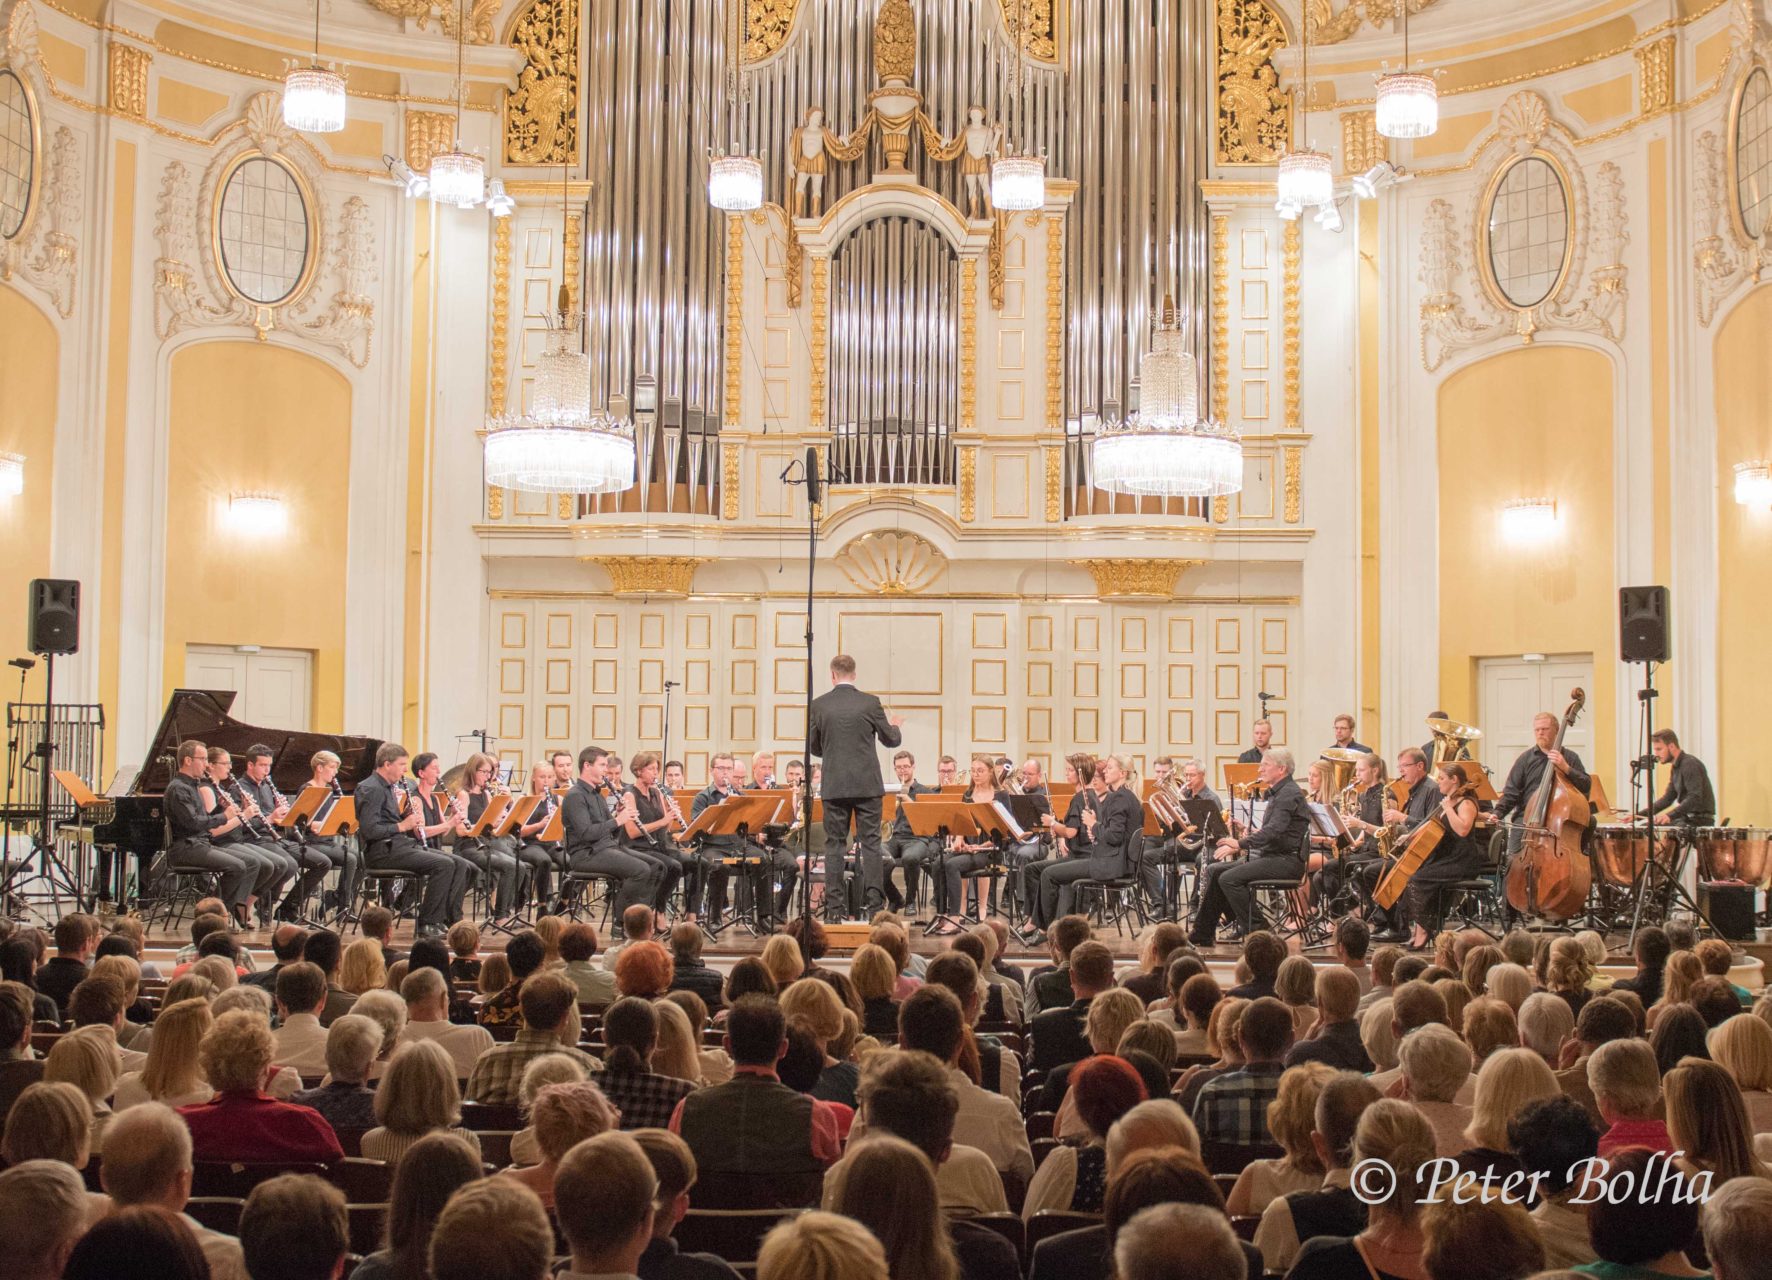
<point>1015,828</point>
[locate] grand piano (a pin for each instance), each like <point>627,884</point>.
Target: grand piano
<point>138,825</point>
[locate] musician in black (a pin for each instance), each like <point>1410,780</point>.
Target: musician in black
<point>1070,838</point>
<point>593,835</point>
<point>1274,852</point>
<point>388,829</point>
<point>195,824</point>
<point>783,860</point>
<point>1528,770</point>
<point>1109,825</point>
<point>1688,800</point>
<point>1348,872</point>
<point>712,851</point>
<point>276,867</point>
<point>649,836</point>
<point>1419,804</point>
<point>338,851</point>
<point>1263,733</point>
<point>542,857</point>
<point>904,848</point>
<point>494,855</point>
<point>312,863</point>
<point>1344,735</point>
<point>1458,855</point>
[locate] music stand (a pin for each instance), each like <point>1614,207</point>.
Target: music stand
<point>518,816</point>
<point>303,808</point>
<point>937,819</point>
<point>739,816</point>
<point>341,819</point>
<point>495,808</point>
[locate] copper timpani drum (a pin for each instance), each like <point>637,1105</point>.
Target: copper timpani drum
<point>1621,850</point>
<point>1735,853</point>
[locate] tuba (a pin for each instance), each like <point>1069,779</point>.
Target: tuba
<point>1452,741</point>
<point>1340,762</point>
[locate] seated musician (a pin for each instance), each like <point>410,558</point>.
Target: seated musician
<point>196,822</point>
<point>1030,781</point>
<point>712,850</point>
<point>338,851</point>
<point>784,861</point>
<point>904,849</point>
<point>649,835</point>
<point>673,776</point>
<point>1421,799</point>
<point>1068,840</point>
<point>976,855</point>
<point>1344,735</point>
<point>313,864</point>
<point>274,867</point>
<point>492,854</point>
<point>1274,852</point>
<point>1528,772</point>
<point>542,857</point>
<point>442,816</point>
<point>1263,733</point>
<point>1688,800</point>
<point>1317,790</point>
<point>389,829</point>
<point>947,771</point>
<point>1109,826</point>
<point>1458,856</point>
<point>1344,875</point>
<point>593,835</point>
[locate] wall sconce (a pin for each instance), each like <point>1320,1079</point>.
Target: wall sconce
<point>12,474</point>
<point>1529,521</point>
<point>1753,483</point>
<point>257,515</point>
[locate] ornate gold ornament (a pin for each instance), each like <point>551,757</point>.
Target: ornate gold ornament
<point>1054,324</point>
<point>1655,77</point>
<point>895,42</point>
<point>566,506</point>
<point>1294,484</point>
<point>427,133</point>
<point>541,115</point>
<point>495,502</point>
<point>733,410</point>
<point>573,248</point>
<point>1221,509</point>
<point>1136,579</point>
<point>968,456</point>
<point>1329,25</point>
<point>968,343</point>
<point>794,264</point>
<point>497,361</point>
<point>43,250</point>
<point>729,480</point>
<point>129,80</point>
<point>767,25</point>
<point>1362,145</point>
<point>1221,316</point>
<point>994,275</point>
<point>481,15</point>
<point>1039,38</point>
<point>1054,458</point>
<point>1292,323</point>
<point>891,563</point>
<point>821,275</point>
<point>651,575</point>
<point>1254,112</point>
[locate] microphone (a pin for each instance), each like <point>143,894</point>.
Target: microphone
<point>23,664</point>
<point>812,476</point>
<point>1270,697</point>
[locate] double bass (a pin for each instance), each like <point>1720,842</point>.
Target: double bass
<point>1550,875</point>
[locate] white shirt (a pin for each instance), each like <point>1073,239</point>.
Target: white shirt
<point>463,1044</point>
<point>301,1044</point>
<point>1277,1234</point>
<point>131,1092</point>
<point>992,1123</point>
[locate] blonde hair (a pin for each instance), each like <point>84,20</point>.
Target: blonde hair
<point>677,1054</point>
<point>495,974</point>
<point>1489,1025</point>
<point>1683,968</point>
<point>821,1246</point>
<point>549,929</point>
<point>219,970</point>
<point>1155,1122</point>
<point>781,956</point>
<point>48,1121</point>
<point>1149,1037</point>
<point>1506,1082</point>
<point>817,1003</point>
<point>388,1012</point>
<point>418,1092</point>
<point>1292,1115</point>
<point>87,1058</point>
<point>872,971</point>
<point>237,1051</point>
<point>1624,1073</point>
<point>126,969</point>
<point>1569,968</point>
<point>363,967</point>
<point>1508,981</point>
<point>1743,1048</point>
<point>564,1115</point>
<point>1221,1028</point>
<point>1457,996</point>
<point>550,1068</point>
<point>1398,1135</point>
<point>1110,1015</point>
<point>1296,982</point>
<point>1378,1035</point>
<point>1707,1119</point>
<point>1435,1062</point>
<point>172,1066</point>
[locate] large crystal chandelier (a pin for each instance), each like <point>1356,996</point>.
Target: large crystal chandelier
<point>1018,181</point>
<point>458,176</point>
<point>1408,102</point>
<point>1166,449</point>
<point>735,181</point>
<point>314,96</point>
<point>561,444</point>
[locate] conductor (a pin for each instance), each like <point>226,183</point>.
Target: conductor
<point>845,725</point>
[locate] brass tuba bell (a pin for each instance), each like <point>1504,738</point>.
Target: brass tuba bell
<point>1452,740</point>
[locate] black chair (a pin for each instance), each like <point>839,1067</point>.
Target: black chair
<point>494,1116</point>
<point>734,1235</point>
<point>387,883</point>
<point>213,1178</point>
<point>363,1181</point>
<point>1007,1225</point>
<point>1471,902</point>
<point>1040,1123</point>
<point>1280,905</point>
<point>1051,1222</point>
<point>180,889</point>
<point>726,1190</point>
<point>577,891</point>
<point>368,1226</point>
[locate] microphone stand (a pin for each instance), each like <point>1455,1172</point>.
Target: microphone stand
<point>809,477</point>
<point>14,741</point>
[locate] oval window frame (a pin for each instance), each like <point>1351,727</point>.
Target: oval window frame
<point>1737,101</point>
<point>310,265</point>
<point>36,144</point>
<point>1485,256</point>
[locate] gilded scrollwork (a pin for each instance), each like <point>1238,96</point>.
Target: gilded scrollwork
<point>1039,27</point>
<point>1293,510</point>
<point>541,114</point>
<point>895,42</point>
<point>481,15</point>
<point>1254,112</point>
<point>1054,460</point>
<point>729,480</point>
<point>651,575</point>
<point>891,563</point>
<point>129,80</point>
<point>968,458</point>
<point>767,26</point>
<point>733,414</point>
<point>1292,324</point>
<point>1054,330</point>
<point>497,374</point>
<point>1329,25</point>
<point>1136,579</point>
<point>821,275</point>
<point>968,342</point>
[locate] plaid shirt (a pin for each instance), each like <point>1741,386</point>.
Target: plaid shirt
<point>644,1098</point>
<point>1232,1108</point>
<point>500,1069</point>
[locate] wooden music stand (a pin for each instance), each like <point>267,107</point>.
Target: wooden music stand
<point>518,814</point>
<point>81,794</point>
<point>955,789</point>
<point>1240,776</point>
<point>341,820</point>
<point>1596,795</point>
<point>555,831</point>
<point>936,818</point>
<point>306,804</point>
<point>495,808</point>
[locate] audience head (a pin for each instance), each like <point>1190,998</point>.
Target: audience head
<point>1482,1240</point>
<point>1265,1031</point>
<point>1510,983</point>
<point>815,1002</point>
<point>1743,1048</point>
<point>549,1068</point>
<point>142,1241</point>
<point>1164,1175</point>
<point>781,956</point>
<point>1296,982</point>
<point>147,1157</point>
<point>755,1032</point>
<point>1153,1123</point>
<point>87,1058</point>
<point>1434,1062</point>
<point>1110,1014</point>
<point>1200,994</point>
<point>294,1228</point>
<point>1708,1120</point>
<point>243,999</point>
<point>630,1029</point>
<point>98,1001</point>
<point>363,967</point>
<point>418,1093</point>
<point>931,1020</point>
<point>1178,1242</point>
<point>549,1002</point>
<point>48,1121</point>
<point>1384,964</point>
<point>43,1211</point>
<point>644,969</point>
<point>1398,1135</point>
<point>1623,1077</point>
<point>464,939</point>
<point>564,1115</point>
<point>431,1171</point>
<point>1489,1025</point>
<point>525,953</point>
<point>1546,1023</point>
<point>873,972</point>
<point>802,1065</point>
<point>908,1094</point>
<point>750,977</point>
<point>888,1186</point>
<point>1341,1101</point>
<point>17,1013</point>
<point>1553,1136</point>
<point>1066,935</point>
<point>1680,1033</point>
<point>236,1054</point>
<point>324,948</point>
<point>1642,1214</point>
<point>1291,1116</point>
<point>605,1192</point>
<point>821,1246</point>
<point>1378,1034</point>
<point>1105,1089</point>
<point>1352,939</point>
<point>1336,993</point>
<point>1737,1222</point>
<point>1152,1039</point>
<point>493,1229</point>
<point>301,988</point>
<point>1092,969</point>
<point>1508,1081</point>
<point>673,1164</point>
<point>1715,1000</point>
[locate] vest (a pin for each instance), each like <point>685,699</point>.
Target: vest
<point>750,1124</point>
<point>990,1065</point>
<point>1334,1212</point>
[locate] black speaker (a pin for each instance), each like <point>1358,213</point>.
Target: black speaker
<point>55,615</point>
<point>1642,624</point>
<point>1730,907</point>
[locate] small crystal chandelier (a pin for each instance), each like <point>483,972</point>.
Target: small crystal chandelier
<point>1166,449</point>
<point>735,181</point>
<point>458,176</point>
<point>314,96</point>
<point>1018,181</point>
<point>1753,483</point>
<point>561,445</point>
<point>1306,177</point>
<point>1408,102</point>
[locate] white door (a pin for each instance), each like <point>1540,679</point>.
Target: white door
<point>1510,691</point>
<point>272,687</point>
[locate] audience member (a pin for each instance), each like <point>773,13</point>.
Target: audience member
<point>301,1000</point>
<point>1641,1219</point>
<point>562,1115</point>
<point>87,1058</point>
<point>549,1024</point>
<point>1290,1119</point>
<point>417,1096</point>
<point>1507,1082</point>
<point>674,1167</point>
<point>141,1241</point>
<point>1398,1137</point>
<point>76,938</point>
<point>1708,1121</point>
<point>1599,1024</point>
<point>1435,1063</point>
<point>43,1212</point>
<point>48,1121</point>
<point>1075,1178</point>
<point>1737,1223</point>
<point>1334,1039</point>
<point>1479,1240</point>
<point>493,1230</point>
<point>242,1122</point>
<point>1331,1209</point>
<point>435,1167</point>
<point>325,948</point>
<point>1554,1138</point>
<point>1627,1092</point>
<point>1179,1242</point>
<point>426,994</point>
<point>148,1162</point>
<point>688,972</point>
<point>1679,1033</point>
<point>1743,1048</point>
<point>1232,1108</point>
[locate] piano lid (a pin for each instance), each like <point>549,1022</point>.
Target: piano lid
<point>203,714</point>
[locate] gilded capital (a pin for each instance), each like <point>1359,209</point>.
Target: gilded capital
<point>129,80</point>
<point>1136,579</point>
<point>650,575</point>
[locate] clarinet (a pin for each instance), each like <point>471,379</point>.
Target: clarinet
<point>413,802</point>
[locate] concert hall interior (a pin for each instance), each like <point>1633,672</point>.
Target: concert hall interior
<point>1210,469</point>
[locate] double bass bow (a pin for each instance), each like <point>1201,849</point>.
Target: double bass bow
<point>1550,875</point>
<point>1417,850</point>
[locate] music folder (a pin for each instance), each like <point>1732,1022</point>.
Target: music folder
<point>340,819</point>
<point>1326,820</point>
<point>931,817</point>
<point>1206,817</point>
<point>76,787</point>
<point>306,804</point>
<point>495,808</point>
<point>518,815</point>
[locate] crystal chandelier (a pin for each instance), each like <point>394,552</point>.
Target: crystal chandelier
<point>1018,182</point>
<point>1306,177</point>
<point>1408,102</point>
<point>1166,449</point>
<point>314,96</point>
<point>735,181</point>
<point>1753,483</point>
<point>458,176</point>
